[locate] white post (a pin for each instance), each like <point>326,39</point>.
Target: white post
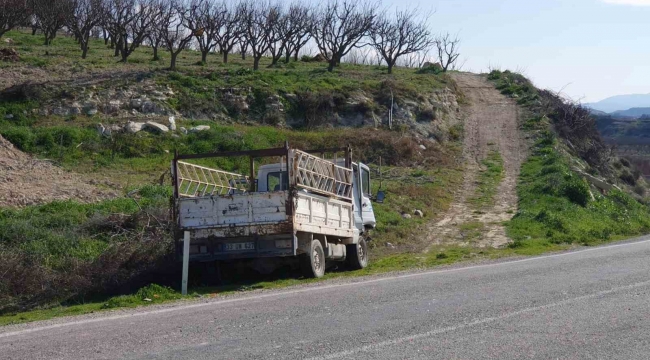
<point>186,260</point>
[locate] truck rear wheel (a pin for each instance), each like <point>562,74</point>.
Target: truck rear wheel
<point>357,255</point>
<point>313,263</point>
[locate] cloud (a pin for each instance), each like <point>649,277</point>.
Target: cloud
<point>628,2</point>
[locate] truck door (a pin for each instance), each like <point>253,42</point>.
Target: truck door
<point>367,213</point>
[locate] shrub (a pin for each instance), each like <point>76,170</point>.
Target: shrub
<point>577,190</point>
<point>21,137</point>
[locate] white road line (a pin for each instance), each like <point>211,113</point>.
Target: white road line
<point>428,334</point>
<point>309,289</point>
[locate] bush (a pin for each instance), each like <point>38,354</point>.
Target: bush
<point>431,69</point>
<point>577,190</point>
<point>21,137</point>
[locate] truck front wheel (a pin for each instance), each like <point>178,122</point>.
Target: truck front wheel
<point>357,254</point>
<point>313,263</point>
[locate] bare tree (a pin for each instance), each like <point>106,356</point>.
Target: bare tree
<point>52,16</point>
<point>85,16</point>
<point>129,22</point>
<point>259,21</point>
<point>231,30</point>
<point>154,40</point>
<point>281,31</point>
<point>174,30</point>
<point>340,26</point>
<point>204,21</point>
<point>300,21</point>
<point>404,34</point>
<point>447,47</point>
<point>13,13</point>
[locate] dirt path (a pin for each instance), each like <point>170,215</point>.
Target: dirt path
<point>491,123</point>
<point>25,180</point>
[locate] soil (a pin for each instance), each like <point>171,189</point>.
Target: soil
<point>25,180</point>
<point>491,121</point>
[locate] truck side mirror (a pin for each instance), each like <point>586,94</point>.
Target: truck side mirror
<point>380,196</point>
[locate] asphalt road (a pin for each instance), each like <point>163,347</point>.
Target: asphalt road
<point>589,304</point>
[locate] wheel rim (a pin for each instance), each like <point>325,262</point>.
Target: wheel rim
<point>317,261</point>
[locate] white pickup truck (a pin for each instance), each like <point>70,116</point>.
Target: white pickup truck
<point>303,205</point>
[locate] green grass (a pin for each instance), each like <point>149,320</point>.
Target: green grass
<point>556,205</point>
<point>489,178</point>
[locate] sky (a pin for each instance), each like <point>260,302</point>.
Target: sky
<point>588,49</point>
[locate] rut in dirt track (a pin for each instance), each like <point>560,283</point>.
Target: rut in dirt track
<point>491,123</point>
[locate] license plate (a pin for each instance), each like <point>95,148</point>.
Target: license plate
<point>239,246</point>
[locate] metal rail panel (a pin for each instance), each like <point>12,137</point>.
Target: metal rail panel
<point>321,176</point>
<point>197,181</point>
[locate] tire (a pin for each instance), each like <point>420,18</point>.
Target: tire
<point>313,263</point>
<point>357,255</point>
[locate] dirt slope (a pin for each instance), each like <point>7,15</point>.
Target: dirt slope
<point>25,180</point>
<point>491,122</point>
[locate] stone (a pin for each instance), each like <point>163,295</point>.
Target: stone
<point>9,41</point>
<point>112,107</point>
<point>133,127</point>
<point>199,128</point>
<point>75,109</point>
<point>136,104</point>
<point>156,127</point>
<point>406,216</point>
<point>183,130</point>
<point>60,111</point>
<point>418,213</point>
<point>422,147</point>
<point>172,123</point>
<point>9,116</point>
<point>390,245</point>
<point>148,107</point>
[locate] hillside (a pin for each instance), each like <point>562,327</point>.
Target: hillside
<point>494,166</point>
<point>621,102</point>
<point>636,112</point>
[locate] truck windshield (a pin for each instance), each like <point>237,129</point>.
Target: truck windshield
<point>277,181</point>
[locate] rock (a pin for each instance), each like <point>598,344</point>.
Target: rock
<point>390,245</point>
<point>75,109</point>
<point>9,41</point>
<point>418,213</point>
<point>422,147</point>
<point>90,108</point>
<point>9,116</point>
<point>172,123</point>
<point>136,104</point>
<point>199,128</point>
<point>406,216</point>
<point>147,299</point>
<point>60,111</point>
<point>112,107</point>
<point>103,131</point>
<point>134,127</point>
<point>156,127</point>
<point>183,130</point>
<point>148,107</point>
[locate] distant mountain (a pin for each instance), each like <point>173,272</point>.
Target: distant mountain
<point>621,102</point>
<point>633,112</point>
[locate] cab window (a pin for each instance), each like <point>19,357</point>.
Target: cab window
<point>277,181</point>
<point>365,182</point>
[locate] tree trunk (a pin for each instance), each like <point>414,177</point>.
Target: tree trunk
<point>332,64</point>
<point>155,53</point>
<point>256,62</point>
<point>287,57</point>
<point>295,56</point>
<point>84,49</point>
<point>204,56</point>
<point>34,30</point>
<point>172,65</point>
<point>225,57</point>
<point>390,67</point>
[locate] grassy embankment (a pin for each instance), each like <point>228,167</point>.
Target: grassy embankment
<point>75,256</point>
<point>557,207</point>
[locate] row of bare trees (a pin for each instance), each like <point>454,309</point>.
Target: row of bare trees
<point>259,27</point>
